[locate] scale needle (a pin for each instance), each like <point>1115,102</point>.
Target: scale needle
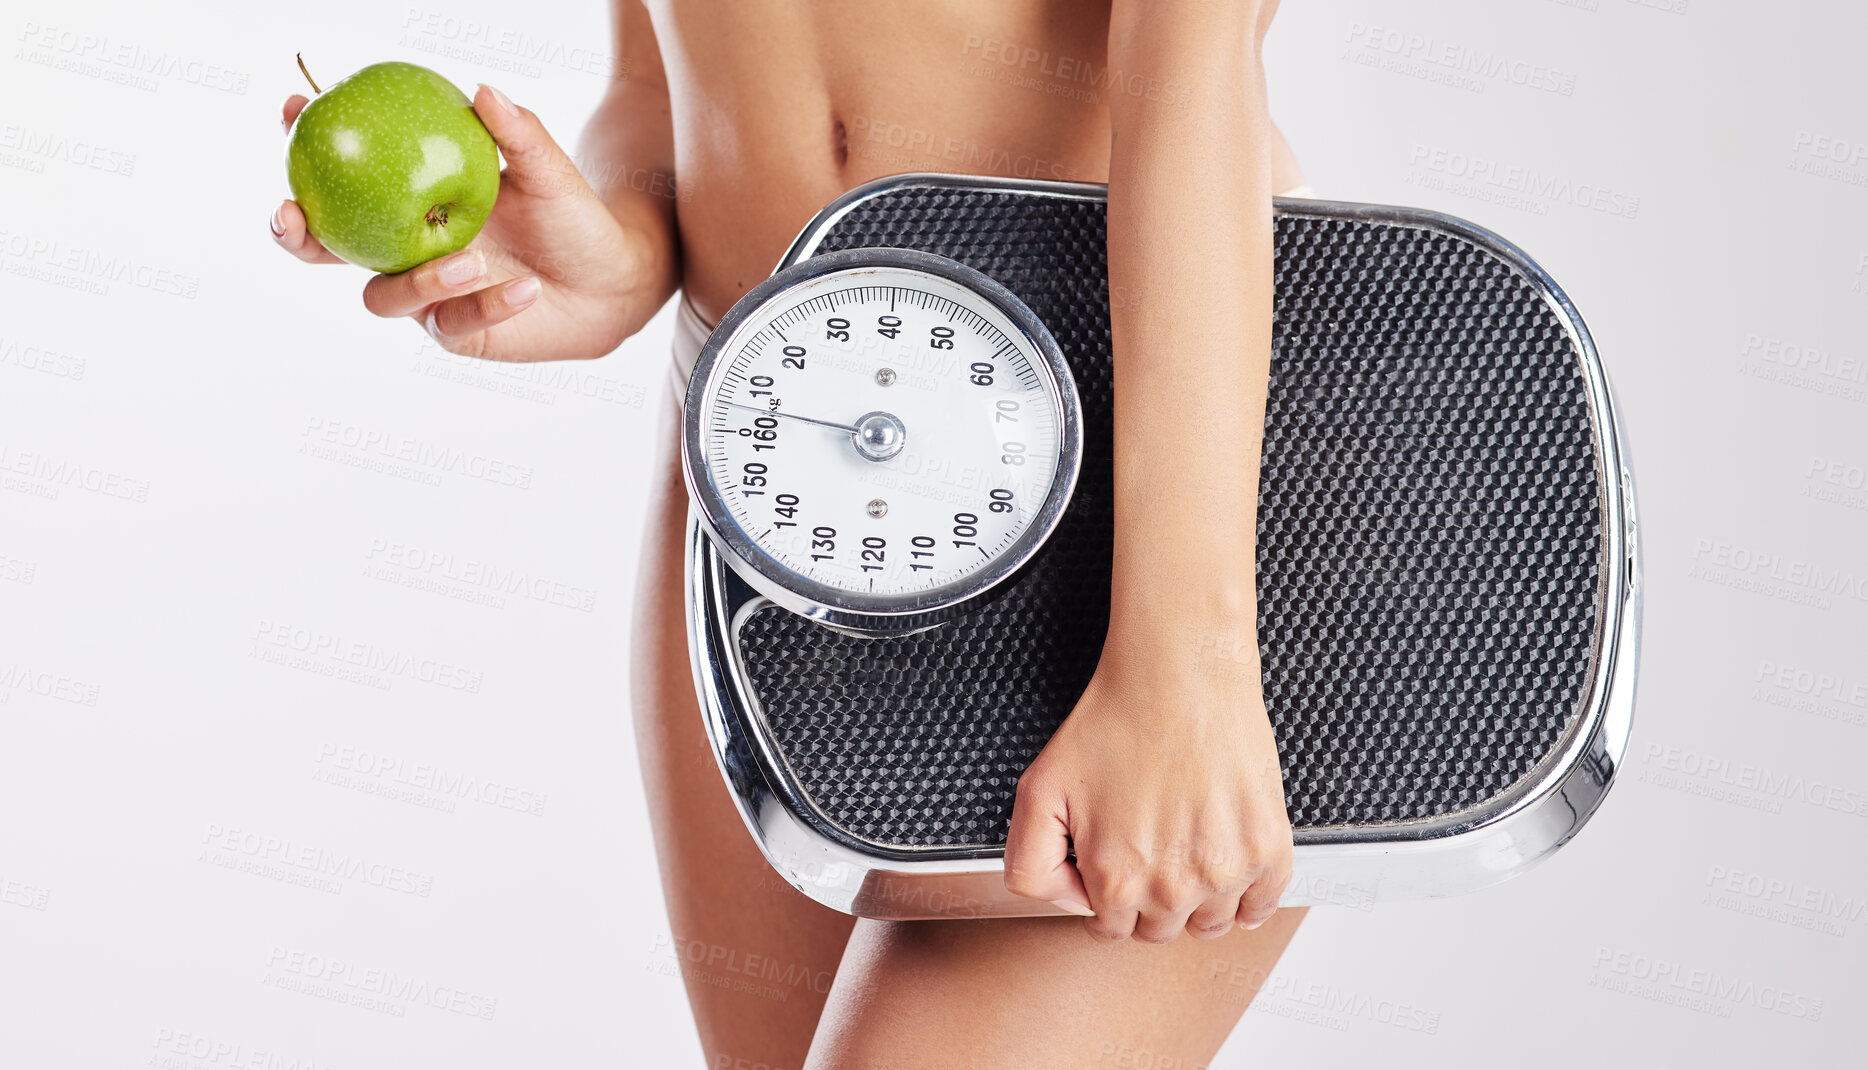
<point>846,428</point>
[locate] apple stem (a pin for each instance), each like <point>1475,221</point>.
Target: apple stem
<point>300,56</point>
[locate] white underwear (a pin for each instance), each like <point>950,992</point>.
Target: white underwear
<point>691,333</point>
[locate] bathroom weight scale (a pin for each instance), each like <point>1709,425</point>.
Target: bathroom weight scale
<point>898,453</point>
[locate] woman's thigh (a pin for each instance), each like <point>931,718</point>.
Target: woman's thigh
<point>1038,993</point>
<point>756,956</point>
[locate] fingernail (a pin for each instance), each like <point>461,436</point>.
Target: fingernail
<point>521,292</point>
<point>464,266</point>
<point>278,222</point>
<point>500,99</point>
<point>1074,906</point>
<point>1250,924</point>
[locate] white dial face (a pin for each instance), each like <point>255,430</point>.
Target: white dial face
<point>882,431</point>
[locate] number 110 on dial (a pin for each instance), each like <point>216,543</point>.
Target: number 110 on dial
<point>876,437</point>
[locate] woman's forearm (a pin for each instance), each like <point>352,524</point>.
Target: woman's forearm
<point>1190,249</point>
<point>627,156</point>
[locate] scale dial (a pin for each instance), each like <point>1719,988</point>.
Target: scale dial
<point>877,436</point>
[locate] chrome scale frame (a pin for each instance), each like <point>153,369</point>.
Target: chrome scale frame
<point>1350,865</point>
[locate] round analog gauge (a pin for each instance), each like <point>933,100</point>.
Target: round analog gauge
<point>877,436</point>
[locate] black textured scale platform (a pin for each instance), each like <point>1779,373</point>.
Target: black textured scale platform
<point>1430,542</point>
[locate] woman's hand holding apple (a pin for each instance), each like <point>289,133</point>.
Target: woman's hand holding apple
<point>550,249</point>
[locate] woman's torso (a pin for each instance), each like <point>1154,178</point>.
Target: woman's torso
<point>780,106</point>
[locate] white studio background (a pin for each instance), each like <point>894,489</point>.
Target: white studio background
<point>1694,172</point>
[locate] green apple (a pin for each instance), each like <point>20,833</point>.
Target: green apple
<point>392,167</point>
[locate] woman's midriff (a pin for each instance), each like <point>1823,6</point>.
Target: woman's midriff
<point>780,107</point>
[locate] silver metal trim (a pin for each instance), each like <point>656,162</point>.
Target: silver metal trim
<point>821,602</point>
<point>1346,865</point>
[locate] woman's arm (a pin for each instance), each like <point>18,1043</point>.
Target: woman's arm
<point>1190,235</point>
<point>628,155</point>
<point>1165,776</point>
